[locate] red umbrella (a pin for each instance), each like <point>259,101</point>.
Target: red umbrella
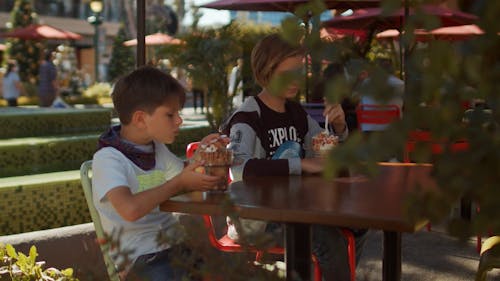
<point>375,18</point>
<point>331,34</point>
<point>285,5</point>
<point>156,39</point>
<point>41,31</point>
<point>450,33</point>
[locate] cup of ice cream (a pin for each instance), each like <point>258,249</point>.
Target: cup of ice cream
<point>216,160</point>
<point>323,142</point>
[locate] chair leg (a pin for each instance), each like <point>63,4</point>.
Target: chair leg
<point>478,243</point>
<point>351,252</point>
<point>317,269</point>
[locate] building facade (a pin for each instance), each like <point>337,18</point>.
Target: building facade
<point>72,15</point>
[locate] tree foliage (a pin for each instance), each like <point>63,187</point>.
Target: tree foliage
<point>122,57</point>
<point>25,52</point>
<point>440,77</point>
<point>208,56</point>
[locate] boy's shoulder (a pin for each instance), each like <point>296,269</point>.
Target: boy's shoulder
<point>108,152</point>
<point>248,113</point>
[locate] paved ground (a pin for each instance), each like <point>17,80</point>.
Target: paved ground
<point>426,256</point>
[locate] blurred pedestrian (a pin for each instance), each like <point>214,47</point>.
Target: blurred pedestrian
<point>12,86</point>
<point>235,87</point>
<point>390,92</point>
<point>47,81</point>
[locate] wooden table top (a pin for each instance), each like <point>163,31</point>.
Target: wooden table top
<point>350,202</point>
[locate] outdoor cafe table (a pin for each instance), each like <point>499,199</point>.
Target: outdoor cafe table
<point>300,201</point>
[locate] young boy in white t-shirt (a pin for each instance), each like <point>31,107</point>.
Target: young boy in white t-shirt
<point>133,172</point>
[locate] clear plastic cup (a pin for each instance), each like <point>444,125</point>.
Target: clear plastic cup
<point>221,171</point>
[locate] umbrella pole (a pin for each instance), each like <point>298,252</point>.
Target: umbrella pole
<point>141,33</point>
<point>404,61</point>
<point>307,82</point>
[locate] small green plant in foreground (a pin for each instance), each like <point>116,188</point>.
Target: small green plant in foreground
<point>20,267</point>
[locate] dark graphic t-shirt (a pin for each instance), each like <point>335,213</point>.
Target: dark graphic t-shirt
<point>279,127</point>
<point>273,130</point>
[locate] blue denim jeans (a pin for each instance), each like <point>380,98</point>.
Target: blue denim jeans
<point>156,267</point>
<point>330,247</point>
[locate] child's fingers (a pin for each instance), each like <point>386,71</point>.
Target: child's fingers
<point>210,138</point>
<point>209,182</point>
<point>193,165</point>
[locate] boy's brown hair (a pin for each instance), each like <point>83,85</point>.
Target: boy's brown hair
<point>268,53</point>
<point>145,88</point>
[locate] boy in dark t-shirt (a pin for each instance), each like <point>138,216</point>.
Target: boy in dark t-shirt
<point>271,125</point>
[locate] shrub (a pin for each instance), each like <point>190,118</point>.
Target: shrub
<point>21,267</point>
<point>98,90</point>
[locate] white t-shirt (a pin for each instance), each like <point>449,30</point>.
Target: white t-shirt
<point>238,98</point>
<point>110,169</point>
<point>10,91</point>
<point>398,87</point>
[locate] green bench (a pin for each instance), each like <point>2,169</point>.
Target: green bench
<point>28,156</point>
<point>33,122</point>
<point>41,201</point>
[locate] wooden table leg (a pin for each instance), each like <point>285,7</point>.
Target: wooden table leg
<point>391,270</point>
<point>298,251</point>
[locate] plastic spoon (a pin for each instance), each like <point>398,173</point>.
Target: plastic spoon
<point>327,131</point>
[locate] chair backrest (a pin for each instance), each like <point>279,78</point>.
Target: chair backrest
<point>191,149</point>
<point>85,177</point>
<point>435,146</point>
<point>377,114</point>
<point>315,110</point>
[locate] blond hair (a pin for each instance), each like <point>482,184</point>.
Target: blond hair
<point>268,53</point>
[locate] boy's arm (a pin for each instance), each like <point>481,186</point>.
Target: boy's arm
<point>132,207</point>
<point>110,182</point>
<point>244,142</point>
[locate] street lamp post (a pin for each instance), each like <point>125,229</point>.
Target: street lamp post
<point>96,8</point>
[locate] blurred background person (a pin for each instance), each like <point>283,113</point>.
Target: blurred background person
<point>47,81</point>
<point>235,84</point>
<point>11,86</point>
<point>392,88</point>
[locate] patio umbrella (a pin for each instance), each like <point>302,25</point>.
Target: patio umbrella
<point>450,33</point>
<point>372,19</point>
<point>41,31</point>
<point>285,5</point>
<point>156,39</point>
<point>330,34</point>
<point>375,18</point>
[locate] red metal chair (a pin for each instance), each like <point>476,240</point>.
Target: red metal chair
<point>377,114</point>
<point>436,147</point>
<point>226,244</point>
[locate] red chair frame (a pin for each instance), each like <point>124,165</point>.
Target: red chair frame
<point>436,147</point>
<point>226,244</point>
<point>377,114</point>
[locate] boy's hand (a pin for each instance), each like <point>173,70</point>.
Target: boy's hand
<point>190,180</point>
<point>336,116</point>
<point>217,139</point>
<point>312,165</point>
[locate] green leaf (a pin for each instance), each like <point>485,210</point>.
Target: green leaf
<point>11,252</point>
<point>68,272</point>
<point>33,255</point>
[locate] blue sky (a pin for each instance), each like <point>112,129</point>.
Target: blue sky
<point>210,16</point>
